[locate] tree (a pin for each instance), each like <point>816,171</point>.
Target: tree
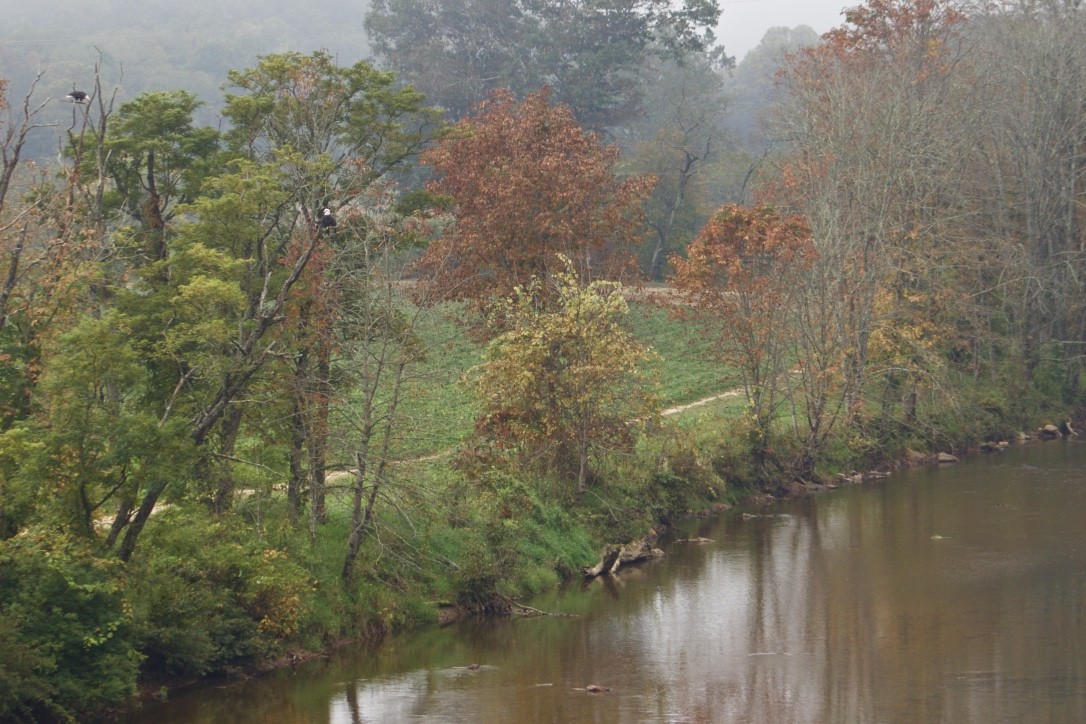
<point>354,126</point>
<point>527,183</point>
<point>588,51</point>
<point>232,271</point>
<point>678,141</point>
<point>752,87</point>
<point>51,248</point>
<point>562,385</point>
<point>741,275</point>
<point>1029,176</point>
<point>182,333</point>
<point>379,350</point>
<point>16,247</point>
<point>871,116</point>
<point>157,160</point>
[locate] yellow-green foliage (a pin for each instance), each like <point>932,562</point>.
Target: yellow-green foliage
<point>564,380</point>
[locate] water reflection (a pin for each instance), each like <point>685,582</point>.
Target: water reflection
<point>951,594</point>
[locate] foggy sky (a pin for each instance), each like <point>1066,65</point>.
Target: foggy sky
<point>744,22</point>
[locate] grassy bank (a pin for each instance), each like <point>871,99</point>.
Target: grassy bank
<point>444,541</point>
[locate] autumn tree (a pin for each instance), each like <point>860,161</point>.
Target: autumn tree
<point>741,277</point>
<point>527,183</point>
<point>870,115</point>
<point>562,385</point>
<point>16,239</point>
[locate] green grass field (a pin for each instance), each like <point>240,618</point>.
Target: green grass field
<point>438,408</point>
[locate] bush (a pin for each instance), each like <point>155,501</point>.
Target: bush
<point>489,559</point>
<point>209,598</point>
<point>65,631</point>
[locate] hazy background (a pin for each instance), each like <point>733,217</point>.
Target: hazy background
<point>151,45</point>
<point>743,23</point>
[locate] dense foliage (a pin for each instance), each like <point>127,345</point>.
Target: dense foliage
<point>587,51</point>
<point>562,383</point>
<point>528,184</point>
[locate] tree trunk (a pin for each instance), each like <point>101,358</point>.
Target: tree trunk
<point>296,483</point>
<point>295,462</point>
<point>222,471</point>
<point>663,232</point>
<point>317,438</point>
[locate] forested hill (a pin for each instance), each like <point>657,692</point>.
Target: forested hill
<point>149,45</point>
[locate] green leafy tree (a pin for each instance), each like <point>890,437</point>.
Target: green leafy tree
<point>99,440</point>
<point>355,129</point>
<point>157,159</point>
<point>51,251</point>
<point>62,607</point>
<point>209,331</point>
<point>563,384</point>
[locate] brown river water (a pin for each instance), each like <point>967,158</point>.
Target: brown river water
<point>941,594</point>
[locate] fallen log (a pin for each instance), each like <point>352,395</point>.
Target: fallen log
<point>616,555</point>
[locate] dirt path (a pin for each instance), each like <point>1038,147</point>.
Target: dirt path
<point>449,451</point>
<point>699,403</point>
<point>668,412</point>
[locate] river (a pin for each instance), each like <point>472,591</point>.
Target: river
<point>952,593</point>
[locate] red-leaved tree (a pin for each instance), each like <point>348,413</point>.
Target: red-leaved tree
<point>527,183</point>
<point>741,276</point>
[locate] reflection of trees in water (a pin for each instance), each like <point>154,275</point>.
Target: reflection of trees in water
<point>791,627</point>
<point>847,610</point>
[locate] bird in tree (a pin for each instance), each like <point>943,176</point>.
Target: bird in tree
<point>326,219</point>
<point>76,96</point>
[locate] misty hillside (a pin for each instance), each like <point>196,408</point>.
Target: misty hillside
<point>163,45</point>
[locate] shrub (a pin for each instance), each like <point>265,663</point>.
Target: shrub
<point>65,630</point>
<point>210,598</point>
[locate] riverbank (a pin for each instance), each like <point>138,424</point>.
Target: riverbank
<point>754,504</point>
<point>213,597</point>
<point>832,607</point>
<point>765,515</point>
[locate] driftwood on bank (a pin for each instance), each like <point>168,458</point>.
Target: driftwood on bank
<point>616,555</point>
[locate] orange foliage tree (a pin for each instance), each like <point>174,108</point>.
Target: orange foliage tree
<point>741,277</point>
<point>528,183</point>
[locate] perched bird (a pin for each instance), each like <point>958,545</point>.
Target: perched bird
<point>76,96</point>
<point>327,219</point>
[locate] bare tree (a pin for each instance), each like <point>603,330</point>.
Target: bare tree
<point>873,169</point>
<point>14,231</point>
<point>1035,153</point>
